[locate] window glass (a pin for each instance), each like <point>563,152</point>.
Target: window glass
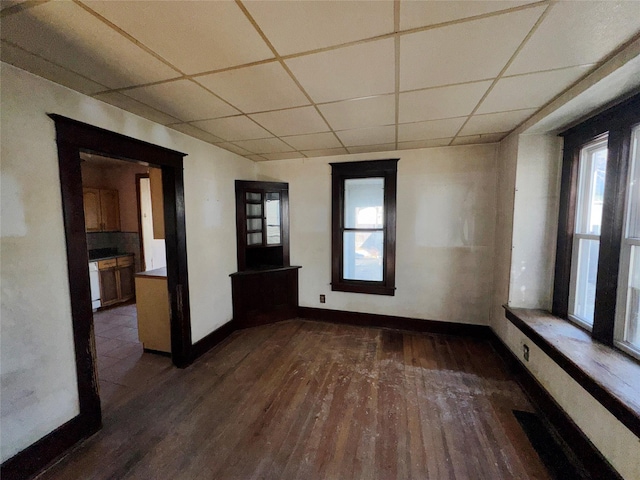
<point>363,254</point>
<point>272,209</point>
<point>588,224</point>
<point>363,202</point>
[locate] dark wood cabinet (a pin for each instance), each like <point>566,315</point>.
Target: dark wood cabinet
<point>116,280</point>
<point>265,288</point>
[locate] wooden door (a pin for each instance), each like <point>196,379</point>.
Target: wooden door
<point>108,287</point>
<point>110,210</point>
<point>91,201</point>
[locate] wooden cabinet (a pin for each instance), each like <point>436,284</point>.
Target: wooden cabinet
<point>262,223</point>
<point>116,280</point>
<point>265,288</point>
<point>101,210</point>
<point>152,304</point>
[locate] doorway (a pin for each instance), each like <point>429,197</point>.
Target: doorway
<point>72,138</point>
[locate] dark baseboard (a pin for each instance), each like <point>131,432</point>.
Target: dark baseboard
<point>38,456</point>
<point>587,456</point>
<point>397,323</point>
<point>205,344</point>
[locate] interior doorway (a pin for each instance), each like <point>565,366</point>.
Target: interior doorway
<point>74,138</point>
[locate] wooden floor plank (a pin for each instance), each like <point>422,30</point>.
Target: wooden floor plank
<point>309,400</point>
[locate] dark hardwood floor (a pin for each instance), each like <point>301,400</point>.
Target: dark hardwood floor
<point>309,400</point>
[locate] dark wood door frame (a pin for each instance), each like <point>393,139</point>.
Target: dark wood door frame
<point>72,137</point>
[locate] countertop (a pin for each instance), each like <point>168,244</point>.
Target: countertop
<point>155,273</point>
<point>108,257</point>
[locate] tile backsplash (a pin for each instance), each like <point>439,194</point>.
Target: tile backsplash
<point>124,242</point>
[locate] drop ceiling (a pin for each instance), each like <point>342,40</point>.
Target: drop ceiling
<point>291,79</point>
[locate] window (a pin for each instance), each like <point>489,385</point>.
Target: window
<point>597,281</point>
<point>364,226</point>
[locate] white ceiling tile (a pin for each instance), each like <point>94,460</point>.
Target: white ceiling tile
<point>302,26</point>
<point>256,89</point>
<point>429,130</point>
<point>195,132</point>
<point>386,147</point>
<point>325,152</point>
<point>578,33</point>
<point>233,128</point>
<point>540,87</point>
<point>129,104</point>
<point>295,121</point>
<point>436,142</point>
<point>495,122</point>
<point>256,158</point>
<point>442,102</point>
<point>234,148</point>
<point>264,145</point>
<point>463,52</point>
<point>368,136</point>
<point>313,141</point>
<point>46,69</point>
<point>365,112</point>
<point>473,139</point>
<point>415,14</point>
<point>66,34</point>
<point>183,99</point>
<point>193,36</point>
<point>282,156</point>
<point>350,72</point>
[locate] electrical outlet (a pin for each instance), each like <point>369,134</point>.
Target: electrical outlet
<point>322,299</point>
<point>525,352</point>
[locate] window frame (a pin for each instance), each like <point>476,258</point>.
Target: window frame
<point>340,172</point>
<point>617,122</point>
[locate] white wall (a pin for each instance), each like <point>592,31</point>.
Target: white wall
<point>446,206</point>
<point>37,367</point>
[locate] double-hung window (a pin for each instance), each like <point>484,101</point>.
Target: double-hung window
<point>364,226</point>
<point>597,278</point>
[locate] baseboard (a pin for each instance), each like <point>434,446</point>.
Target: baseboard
<point>38,456</point>
<point>397,323</point>
<point>579,447</point>
<point>206,343</point>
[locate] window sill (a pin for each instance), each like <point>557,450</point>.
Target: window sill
<point>363,288</point>
<point>610,376</point>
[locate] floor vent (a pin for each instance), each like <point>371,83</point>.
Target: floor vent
<point>549,450</point>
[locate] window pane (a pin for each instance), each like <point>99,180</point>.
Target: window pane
<point>254,196</point>
<point>254,239</point>
<point>254,209</point>
<point>272,209</point>
<point>363,202</point>
<point>585,280</point>
<point>632,322</point>
<point>633,217</point>
<point>363,254</point>
<point>254,224</point>
<point>593,166</point>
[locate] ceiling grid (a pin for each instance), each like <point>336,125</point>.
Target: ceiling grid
<point>274,80</point>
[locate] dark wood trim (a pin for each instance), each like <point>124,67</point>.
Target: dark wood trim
<point>574,441</point>
<point>33,459</point>
<point>72,137</point>
<point>613,404</point>
<point>613,210</point>
<point>396,323</point>
<point>143,264</point>
<point>347,170</point>
<point>205,344</point>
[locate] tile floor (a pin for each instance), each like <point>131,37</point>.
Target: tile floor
<point>123,366</point>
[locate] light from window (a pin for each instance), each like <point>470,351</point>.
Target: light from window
<point>363,235</point>
<point>628,305</point>
<point>586,238</point>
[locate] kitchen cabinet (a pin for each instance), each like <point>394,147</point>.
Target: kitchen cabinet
<point>101,210</point>
<point>116,280</point>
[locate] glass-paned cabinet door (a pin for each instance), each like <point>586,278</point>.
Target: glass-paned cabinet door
<point>274,225</point>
